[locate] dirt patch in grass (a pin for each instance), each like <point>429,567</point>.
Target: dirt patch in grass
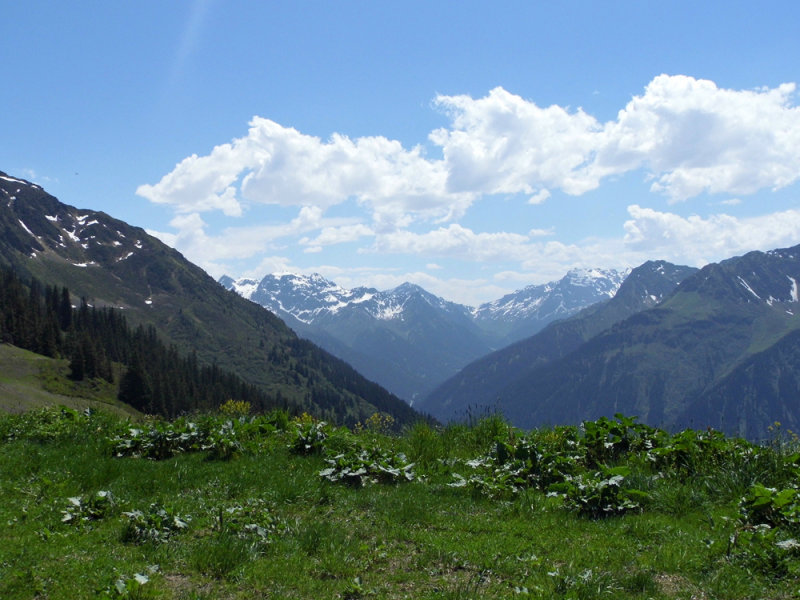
<point>676,585</point>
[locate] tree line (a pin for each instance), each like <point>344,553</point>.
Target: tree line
<point>155,378</point>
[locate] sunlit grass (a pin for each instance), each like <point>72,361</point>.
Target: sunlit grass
<point>264,523</point>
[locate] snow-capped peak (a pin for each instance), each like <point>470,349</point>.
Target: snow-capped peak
<point>244,287</point>
<point>305,297</point>
<point>606,281</point>
<point>309,298</point>
<point>576,290</point>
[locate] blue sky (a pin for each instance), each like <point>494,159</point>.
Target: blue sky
<point>470,148</point>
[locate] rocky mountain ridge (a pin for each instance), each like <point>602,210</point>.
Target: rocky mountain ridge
<point>408,339</point>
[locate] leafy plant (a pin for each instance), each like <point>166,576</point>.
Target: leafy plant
<point>523,463</point>
<point>692,452</point>
<point>766,549</point>
<point>82,510</point>
<point>600,493</point>
<point>308,437</point>
<point>157,524</point>
<point>132,588</point>
<point>221,442</point>
<point>605,440</point>
<point>159,441</point>
<point>777,508</point>
<point>361,466</point>
<point>252,519</point>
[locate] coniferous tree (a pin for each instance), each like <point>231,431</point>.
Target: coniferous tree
<point>134,387</point>
<point>77,363</point>
<point>64,310</point>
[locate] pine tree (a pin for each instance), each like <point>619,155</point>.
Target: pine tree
<point>65,310</point>
<point>77,363</point>
<point>134,387</point>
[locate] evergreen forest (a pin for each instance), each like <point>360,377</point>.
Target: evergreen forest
<point>154,377</point>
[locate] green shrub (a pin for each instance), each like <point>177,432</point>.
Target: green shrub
<point>308,437</point>
<point>361,466</point>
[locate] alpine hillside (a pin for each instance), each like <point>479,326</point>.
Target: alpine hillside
<point>719,351</point>
<point>408,339</point>
<point>113,264</point>
<point>480,384</point>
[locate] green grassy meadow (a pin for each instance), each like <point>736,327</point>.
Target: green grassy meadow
<point>94,505</point>
<point>29,380</point>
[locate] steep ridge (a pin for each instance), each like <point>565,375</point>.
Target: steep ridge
<point>114,264</point>
<point>481,384</point>
<point>762,390</point>
<point>685,359</point>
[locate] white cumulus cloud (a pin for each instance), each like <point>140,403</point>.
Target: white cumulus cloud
<point>454,241</point>
<point>683,136</point>
<point>342,234</point>
<point>202,183</point>
<point>279,165</point>
<point>695,137</point>
<point>691,136</point>
<point>503,144</point>
<point>697,241</point>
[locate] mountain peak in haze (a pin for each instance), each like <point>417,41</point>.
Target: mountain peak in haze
<point>409,339</point>
<point>526,311</point>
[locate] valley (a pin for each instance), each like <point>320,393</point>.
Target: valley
<point>676,346</point>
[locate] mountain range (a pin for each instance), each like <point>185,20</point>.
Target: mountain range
<point>480,384</point>
<point>113,264</point>
<point>720,350</point>
<point>675,346</point>
<point>408,339</point>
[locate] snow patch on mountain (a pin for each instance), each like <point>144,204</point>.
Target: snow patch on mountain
<point>308,298</point>
<point>25,227</point>
<point>14,180</point>
<point>388,312</point>
<point>245,287</point>
<point>746,286</point>
<point>576,290</point>
<point>793,291</point>
<point>304,297</point>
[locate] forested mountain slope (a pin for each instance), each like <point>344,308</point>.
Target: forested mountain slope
<point>113,264</point>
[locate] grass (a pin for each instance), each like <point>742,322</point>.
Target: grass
<point>29,380</point>
<point>264,523</point>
